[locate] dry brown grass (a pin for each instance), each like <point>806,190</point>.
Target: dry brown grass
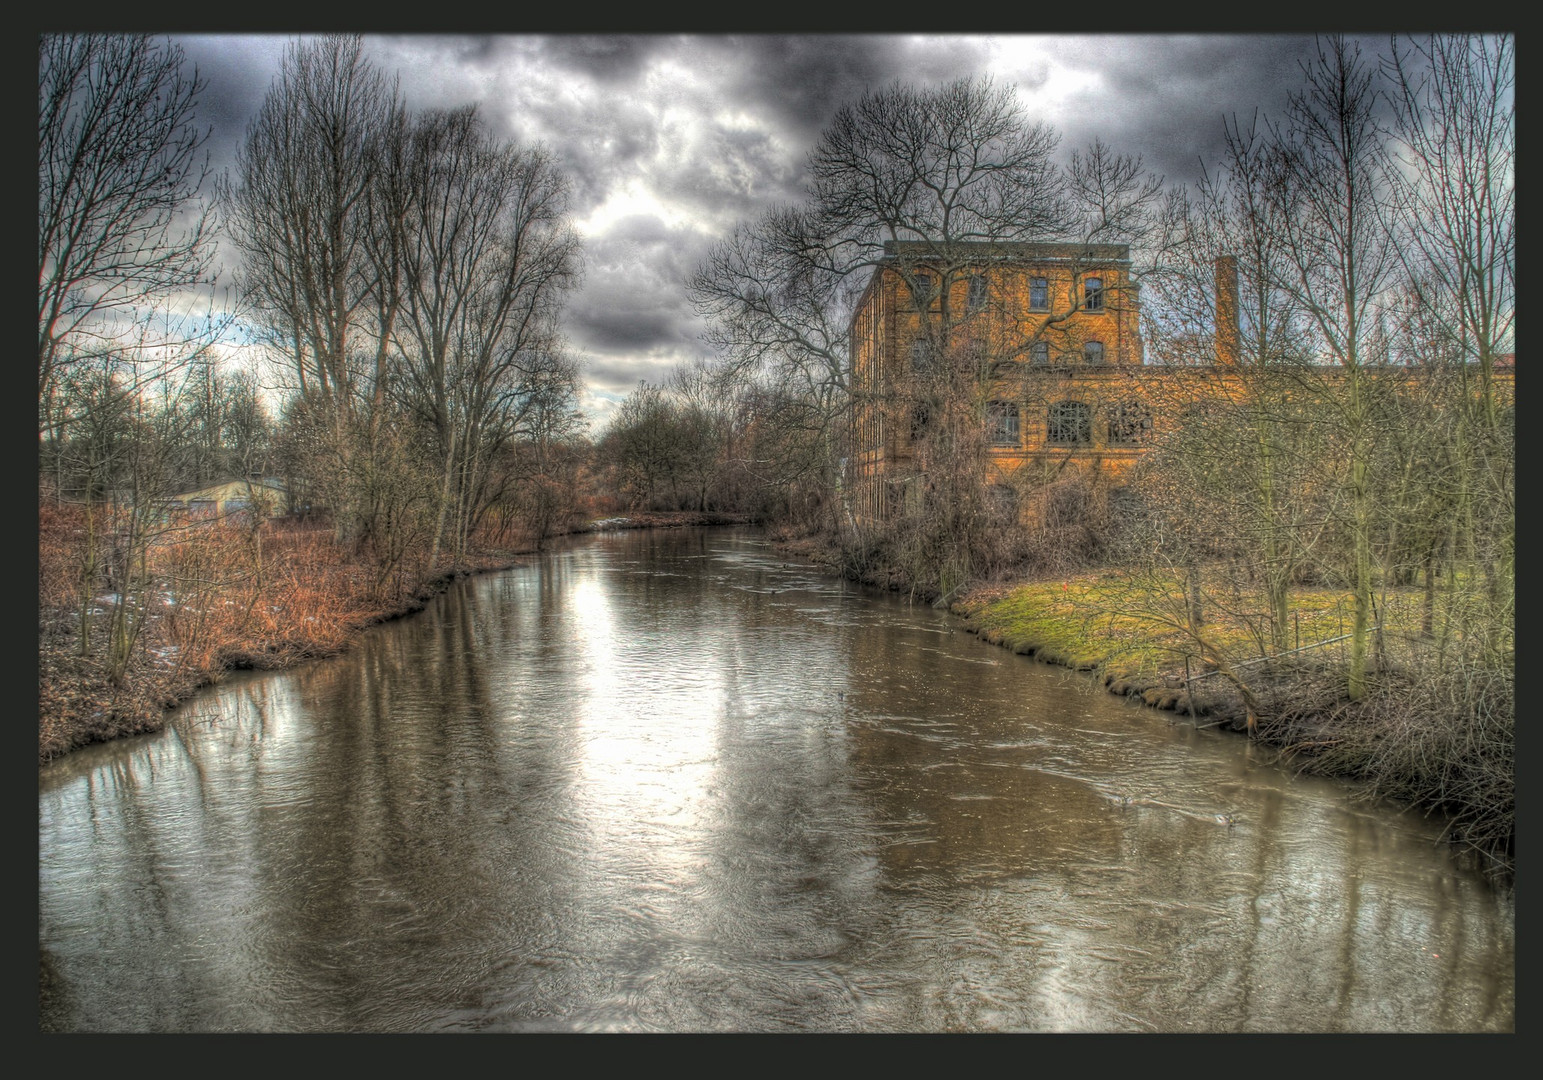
<point>220,597</point>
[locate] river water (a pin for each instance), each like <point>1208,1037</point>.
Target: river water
<point>665,781</point>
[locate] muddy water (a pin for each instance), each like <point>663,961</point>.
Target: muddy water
<point>663,781</point>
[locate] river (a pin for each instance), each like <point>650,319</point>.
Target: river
<point>667,781</point>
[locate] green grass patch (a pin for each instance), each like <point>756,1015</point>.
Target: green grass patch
<point>1132,626</point>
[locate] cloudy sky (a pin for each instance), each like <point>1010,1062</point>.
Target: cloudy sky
<point>670,139</point>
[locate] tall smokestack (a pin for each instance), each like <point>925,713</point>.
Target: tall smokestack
<point>1229,340</point>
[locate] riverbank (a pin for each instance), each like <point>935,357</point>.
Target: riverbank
<point>1439,740</point>
<point>1432,733</point>
<point>313,601</point>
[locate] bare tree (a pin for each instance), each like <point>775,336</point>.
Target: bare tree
<point>488,258</point>
<point>1341,258</point>
<point>124,245</point>
<point>316,204</point>
<point>1455,172</point>
<point>638,447</point>
<point>1218,301</point>
<point>299,203</point>
<point>1455,147</point>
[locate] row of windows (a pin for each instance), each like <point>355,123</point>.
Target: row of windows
<point>1092,294</point>
<point>1039,292</point>
<point>975,294</point>
<point>922,353</point>
<point>1092,352</point>
<point>1070,423</point>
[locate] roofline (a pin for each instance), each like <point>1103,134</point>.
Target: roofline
<point>1014,251</point>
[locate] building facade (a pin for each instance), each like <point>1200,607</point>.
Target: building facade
<point>1037,345</point>
<point>1027,358</point>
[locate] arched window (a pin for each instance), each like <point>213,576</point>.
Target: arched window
<point>1069,423</point>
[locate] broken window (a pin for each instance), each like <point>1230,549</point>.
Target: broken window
<point>1130,423</point>
<point>1069,423</point>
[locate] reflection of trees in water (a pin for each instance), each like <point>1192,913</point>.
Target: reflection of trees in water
<point>671,790</point>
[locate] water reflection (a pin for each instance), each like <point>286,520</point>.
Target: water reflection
<point>666,782</point>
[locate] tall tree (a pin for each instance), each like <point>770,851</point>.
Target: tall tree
<point>123,239</point>
<point>1332,207</point>
<point>298,205</point>
<point>1218,301</point>
<point>488,259</point>
<point>316,204</point>
<point>1455,173</point>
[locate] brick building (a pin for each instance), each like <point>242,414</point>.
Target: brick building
<point>1034,349</point>
<point>1038,341</point>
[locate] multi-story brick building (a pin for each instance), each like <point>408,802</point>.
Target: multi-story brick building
<point>1039,342</point>
<point>1034,351</point>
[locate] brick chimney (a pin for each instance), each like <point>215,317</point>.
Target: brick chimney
<point>1229,340</point>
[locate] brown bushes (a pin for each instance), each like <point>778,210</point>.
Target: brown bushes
<point>222,596</point>
<point>1440,739</point>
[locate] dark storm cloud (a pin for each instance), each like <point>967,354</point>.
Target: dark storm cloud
<point>669,140</point>
<point>634,300</point>
<point>1168,97</point>
<point>237,73</point>
<point>614,60</point>
<point>803,79</point>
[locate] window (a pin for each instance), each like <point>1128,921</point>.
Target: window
<point>1093,293</point>
<point>921,417</point>
<point>1092,352</point>
<point>921,289</point>
<point>1130,423</point>
<point>1069,424</point>
<point>1002,423</point>
<point>1039,294</point>
<point>976,297</point>
<point>921,356</point>
<point>1002,502</point>
<point>1039,352</point>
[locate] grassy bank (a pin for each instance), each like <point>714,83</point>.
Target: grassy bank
<point>1433,732</point>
